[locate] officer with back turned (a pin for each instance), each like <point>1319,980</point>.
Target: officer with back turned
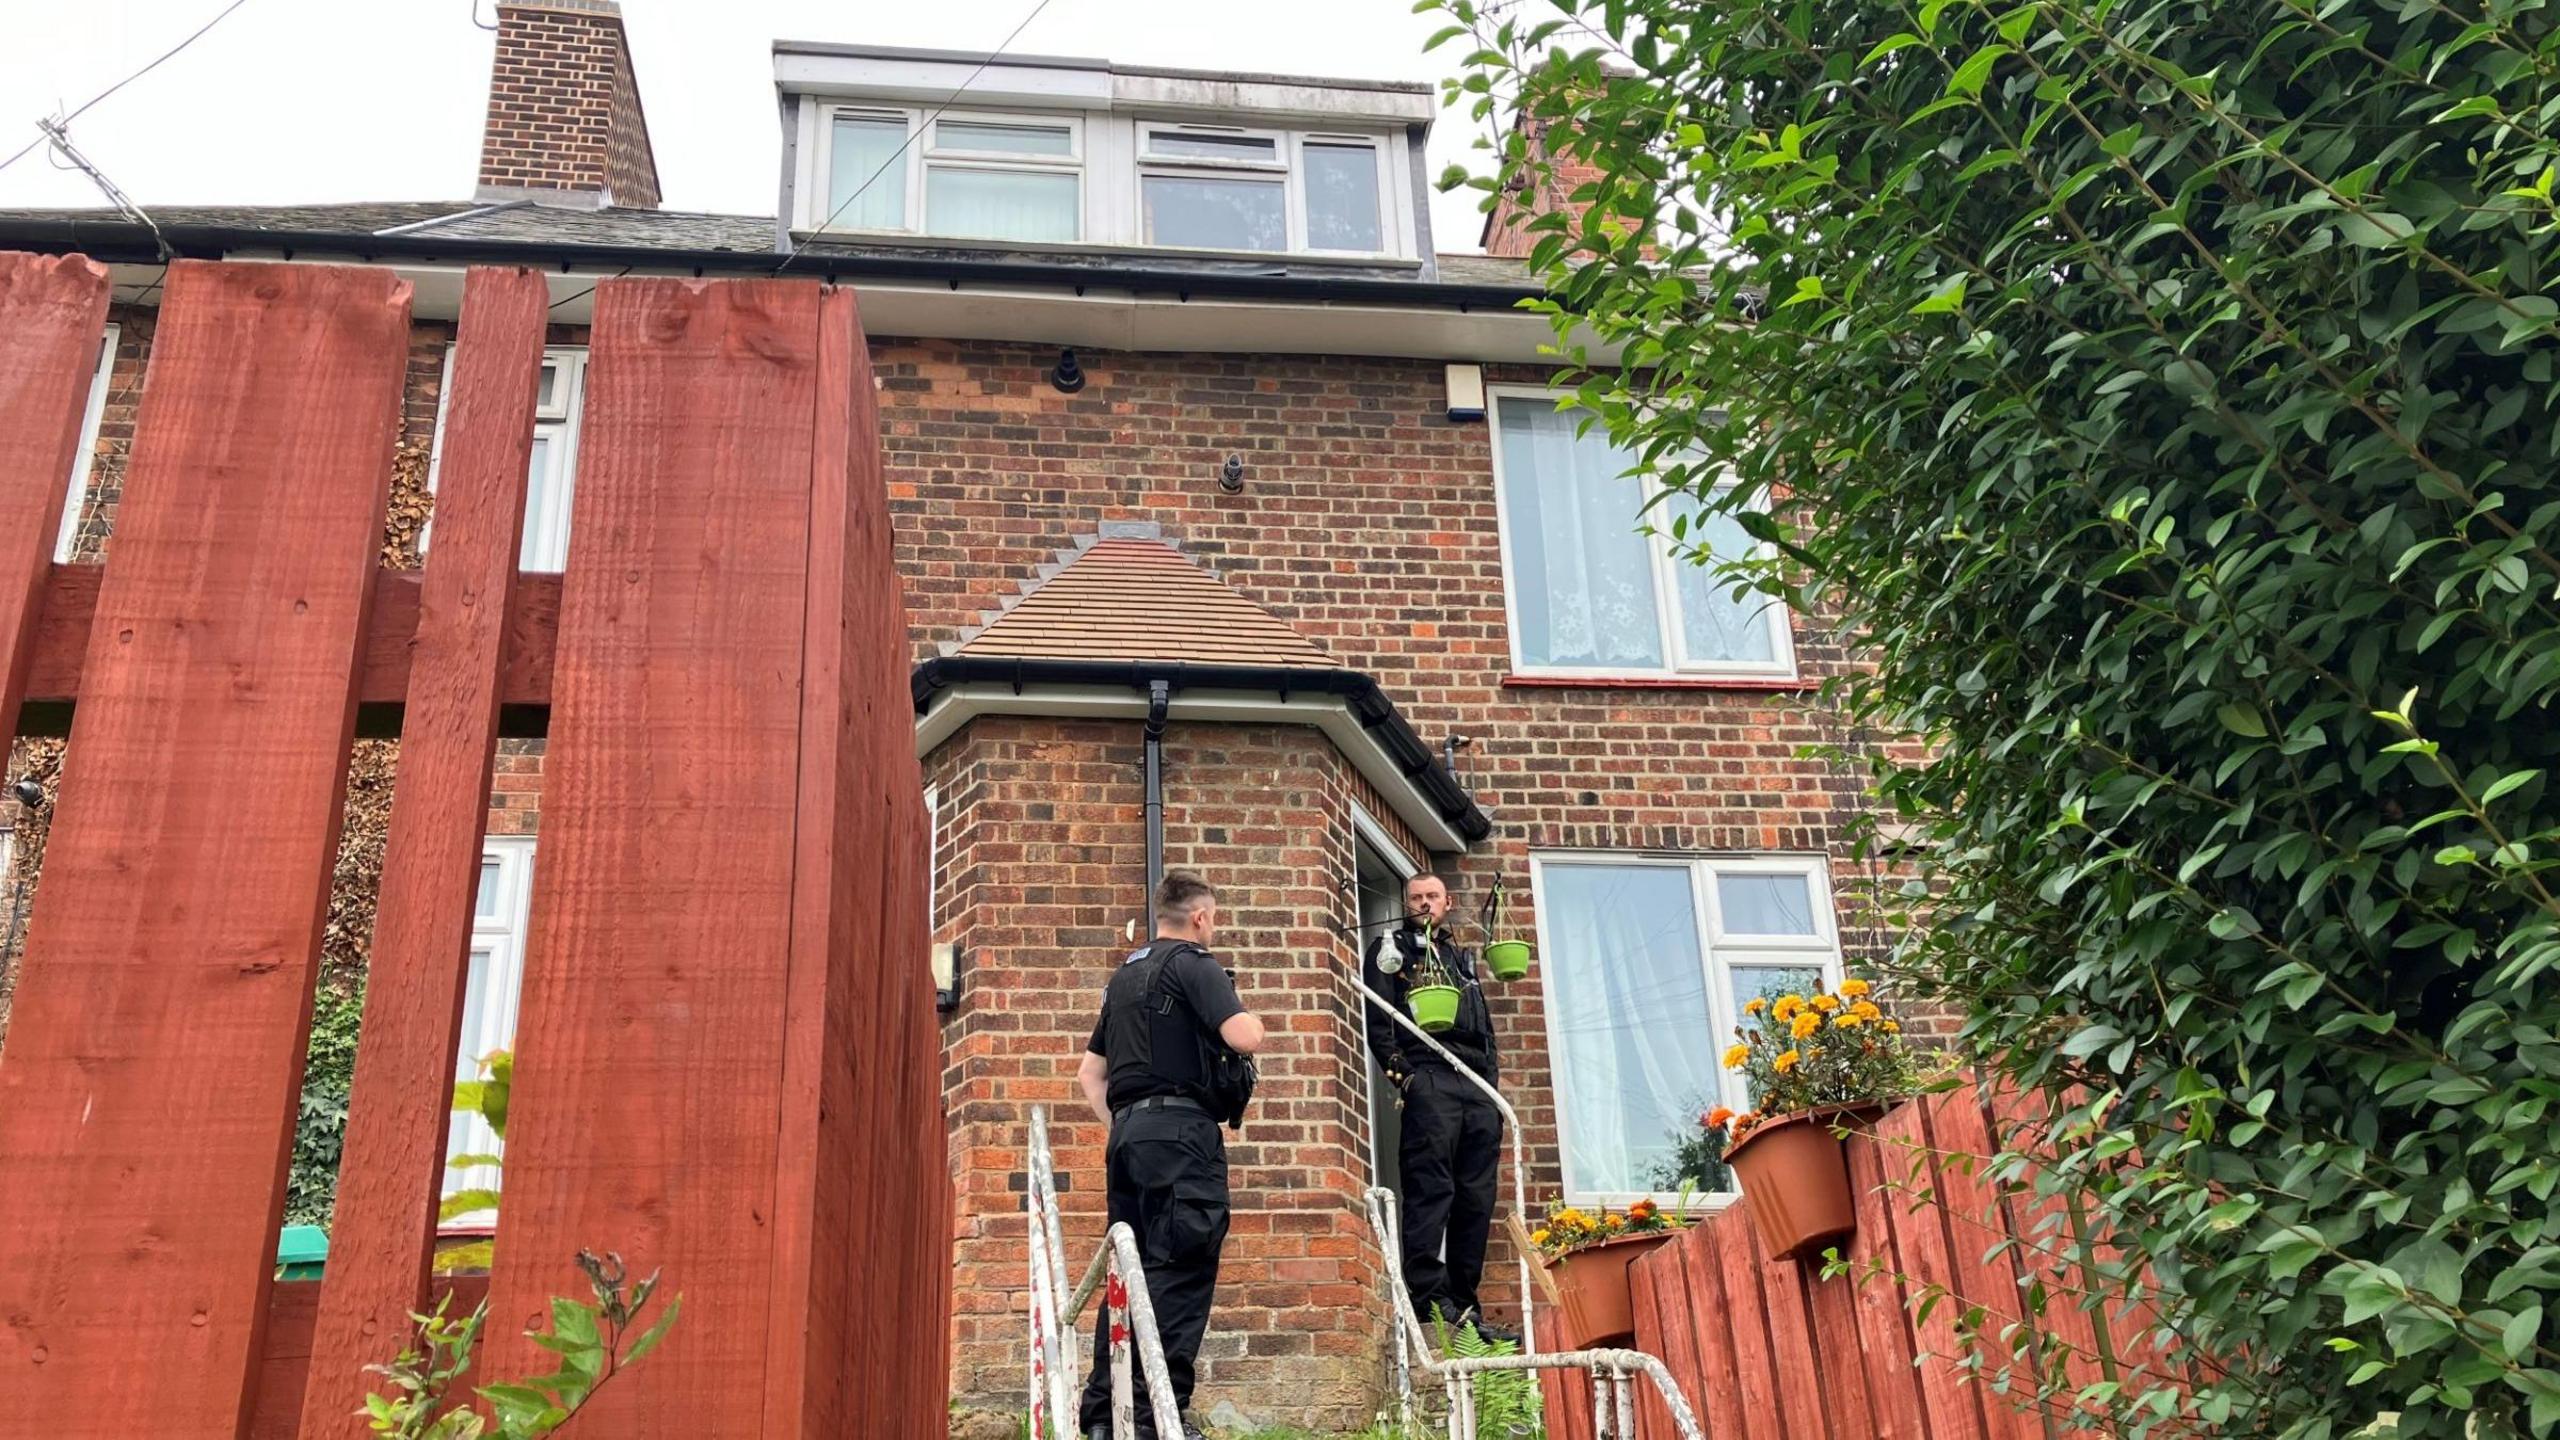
<point>1451,1146</point>
<point>1165,1065</point>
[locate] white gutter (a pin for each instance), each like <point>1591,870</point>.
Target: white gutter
<point>955,707</point>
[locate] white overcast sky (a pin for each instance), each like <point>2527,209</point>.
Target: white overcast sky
<point>317,100</point>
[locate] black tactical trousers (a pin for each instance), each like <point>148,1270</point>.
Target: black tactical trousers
<point>1451,1153</point>
<point>1168,1183</point>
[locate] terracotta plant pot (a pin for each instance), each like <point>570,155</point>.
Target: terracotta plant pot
<point>1435,1007</point>
<point>1508,959</point>
<point>1592,1282</point>
<point>1795,1180</point>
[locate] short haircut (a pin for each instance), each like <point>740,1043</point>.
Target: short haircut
<point>1421,875</point>
<point>1182,893</point>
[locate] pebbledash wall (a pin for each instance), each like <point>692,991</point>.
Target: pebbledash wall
<point>1368,520</point>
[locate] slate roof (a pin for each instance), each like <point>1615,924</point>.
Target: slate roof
<point>1140,599</point>
<point>458,223</point>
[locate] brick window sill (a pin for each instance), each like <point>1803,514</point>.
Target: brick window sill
<point>1748,684</point>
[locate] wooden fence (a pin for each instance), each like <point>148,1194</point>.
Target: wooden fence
<point>1767,1348</point>
<point>727,1062</point>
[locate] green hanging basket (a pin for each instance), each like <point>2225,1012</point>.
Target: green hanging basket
<point>1507,959</point>
<point>1435,1007</point>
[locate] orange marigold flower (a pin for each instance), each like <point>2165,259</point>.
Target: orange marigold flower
<point>1787,1061</point>
<point>1758,1004</point>
<point>1734,1057</point>
<point>1806,1025</point>
<point>1825,1003</point>
<point>1866,1010</point>
<point>1892,1028</point>
<point>1719,1117</point>
<point>1854,988</point>
<point>1848,1020</point>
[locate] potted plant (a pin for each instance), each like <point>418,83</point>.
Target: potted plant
<point>1433,991</point>
<point>1588,1256</point>
<point>1507,958</point>
<point>1816,1064</point>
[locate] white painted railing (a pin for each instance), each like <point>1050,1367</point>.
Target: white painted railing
<point>1116,1272</point>
<point>1613,1372</point>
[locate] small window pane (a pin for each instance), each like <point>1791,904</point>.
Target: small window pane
<point>1342,198</point>
<point>488,904</point>
<point>549,396</point>
<point>867,181</point>
<point>1582,573</point>
<point>1216,214</point>
<point>1717,623</point>
<point>1629,1004</point>
<point>1766,904</point>
<point>1001,204</point>
<point>1006,139</point>
<point>1213,147</point>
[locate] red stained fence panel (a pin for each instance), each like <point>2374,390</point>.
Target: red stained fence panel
<point>1766,1348</point>
<point>727,1057</point>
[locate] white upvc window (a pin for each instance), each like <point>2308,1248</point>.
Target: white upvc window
<point>1592,585</point>
<point>499,918</point>
<point>1649,960</point>
<point>958,175</point>
<point>560,405</point>
<point>1217,187</point>
<point>84,460</point>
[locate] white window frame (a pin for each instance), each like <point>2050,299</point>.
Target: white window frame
<point>1287,167</point>
<point>545,545</point>
<point>499,940</point>
<point>1672,635</point>
<point>924,152</point>
<point>84,460</point>
<point>1719,954</point>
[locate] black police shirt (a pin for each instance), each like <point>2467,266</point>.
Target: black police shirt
<point>1205,990</point>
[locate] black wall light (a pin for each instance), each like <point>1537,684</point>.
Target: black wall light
<point>949,960</point>
<point>1231,474</point>
<point>28,792</point>
<point>1067,377</point>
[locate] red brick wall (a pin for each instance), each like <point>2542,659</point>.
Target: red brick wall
<point>564,104</point>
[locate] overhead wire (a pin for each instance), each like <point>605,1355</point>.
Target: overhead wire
<point>165,56</point>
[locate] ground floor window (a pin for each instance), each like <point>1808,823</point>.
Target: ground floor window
<point>498,921</point>
<point>1649,960</point>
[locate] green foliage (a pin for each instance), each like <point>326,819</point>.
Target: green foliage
<point>588,1338</point>
<point>2163,394</point>
<point>1508,1403</point>
<point>320,1121</point>
<point>1697,1161</point>
<point>487,1098</point>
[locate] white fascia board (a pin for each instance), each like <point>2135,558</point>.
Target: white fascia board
<point>934,79</point>
<point>957,706</point>
<point>1096,320</point>
<point>1256,98</point>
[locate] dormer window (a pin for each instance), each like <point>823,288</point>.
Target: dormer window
<point>1214,188</point>
<point>973,178</point>
<point>1061,154</point>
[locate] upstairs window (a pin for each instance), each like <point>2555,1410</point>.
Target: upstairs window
<point>1591,593</point>
<point>85,459</point>
<point>1216,188</point>
<point>559,407</point>
<point>978,177</point>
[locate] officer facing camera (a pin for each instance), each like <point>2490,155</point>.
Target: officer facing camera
<point>1169,1060</point>
<point>1451,1147</point>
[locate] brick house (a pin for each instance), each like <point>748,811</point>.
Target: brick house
<point>1198,446</point>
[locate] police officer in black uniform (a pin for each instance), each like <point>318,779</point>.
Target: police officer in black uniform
<point>1452,1134</point>
<point>1159,1071</point>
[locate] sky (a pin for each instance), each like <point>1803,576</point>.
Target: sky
<point>320,100</point>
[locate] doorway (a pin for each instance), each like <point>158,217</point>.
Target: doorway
<point>1381,879</point>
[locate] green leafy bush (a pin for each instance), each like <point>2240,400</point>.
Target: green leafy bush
<point>320,1119</point>
<point>2162,395</point>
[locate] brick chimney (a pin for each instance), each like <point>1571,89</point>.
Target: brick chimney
<point>1505,226</point>
<point>565,126</point>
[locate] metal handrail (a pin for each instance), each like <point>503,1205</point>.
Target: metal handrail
<point>1613,1371</point>
<point>1117,1271</point>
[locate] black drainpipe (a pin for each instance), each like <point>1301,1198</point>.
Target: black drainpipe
<point>1159,698</point>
